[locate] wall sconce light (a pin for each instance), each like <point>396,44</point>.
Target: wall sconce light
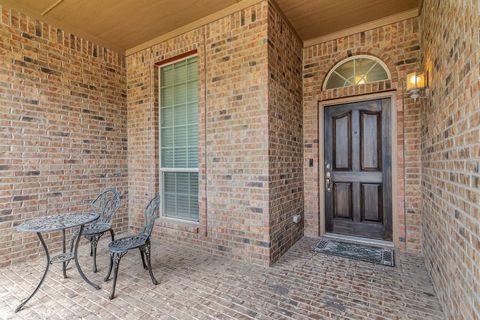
<point>361,79</point>
<point>416,84</point>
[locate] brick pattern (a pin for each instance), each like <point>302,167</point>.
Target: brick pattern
<point>196,285</point>
<point>63,131</point>
<point>233,135</point>
<point>237,133</point>
<point>63,127</point>
<point>250,145</point>
<point>285,112</point>
<point>143,117</point>
<point>451,154</point>
<point>398,46</point>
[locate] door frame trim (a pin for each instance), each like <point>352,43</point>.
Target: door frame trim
<point>321,156</point>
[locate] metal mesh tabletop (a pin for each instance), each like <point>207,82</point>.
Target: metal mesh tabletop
<point>57,222</point>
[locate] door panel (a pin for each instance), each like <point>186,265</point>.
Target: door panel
<point>370,140</point>
<point>342,133</point>
<point>358,169</point>
<point>342,198</point>
<point>372,207</point>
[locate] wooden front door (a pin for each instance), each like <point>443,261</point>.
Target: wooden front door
<point>358,178</point>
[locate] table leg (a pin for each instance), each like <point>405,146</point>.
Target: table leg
<point>64,247</point>
<point>75,254</point>
<point>44,274</point>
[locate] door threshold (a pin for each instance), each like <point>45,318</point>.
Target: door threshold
<point>374,242</point>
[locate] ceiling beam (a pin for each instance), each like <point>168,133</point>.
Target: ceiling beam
<point>363,27</point>
<point>51,7</point>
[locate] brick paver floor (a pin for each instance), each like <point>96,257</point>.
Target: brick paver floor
<point>197,285</point>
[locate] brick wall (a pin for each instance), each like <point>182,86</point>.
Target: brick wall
<point>250,147</point>
<point>233,135</point>
<point>63,128</point>
<point>285,112</point>
<point>398,46</point>
<point>451,154</point>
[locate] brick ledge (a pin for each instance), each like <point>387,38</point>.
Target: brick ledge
<point>192,227</point>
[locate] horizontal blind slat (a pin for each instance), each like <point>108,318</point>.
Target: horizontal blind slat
<point>179,138</point>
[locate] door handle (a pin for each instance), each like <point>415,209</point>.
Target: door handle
<point>328,180</point>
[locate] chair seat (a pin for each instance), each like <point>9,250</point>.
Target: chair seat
<point>96,228</point>
<point>127,243</point>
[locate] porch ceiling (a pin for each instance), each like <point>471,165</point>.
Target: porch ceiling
<point>315,18</point>
<point>116,24</point>
<point>121,25</point>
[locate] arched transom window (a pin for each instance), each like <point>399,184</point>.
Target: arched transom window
<point>356,70</point>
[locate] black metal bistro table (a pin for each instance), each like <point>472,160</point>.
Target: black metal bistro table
<point>56,223</point>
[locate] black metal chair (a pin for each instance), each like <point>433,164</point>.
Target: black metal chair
<point>106,204</point>
<point>118,248</point>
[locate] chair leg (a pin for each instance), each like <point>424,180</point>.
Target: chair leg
<point>109,268</point>
<point>112,234</point>
<point>143,260</point>
<point>116,263</point>
<point>94,243</point>
<point>146,251</point>
<point>91,247</point>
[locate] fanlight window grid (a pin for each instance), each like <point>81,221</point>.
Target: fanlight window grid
<point>356,70</point>
<point>179,139</point>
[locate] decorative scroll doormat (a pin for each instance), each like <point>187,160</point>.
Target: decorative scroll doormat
<point>356,251</point>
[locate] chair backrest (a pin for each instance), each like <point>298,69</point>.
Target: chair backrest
<point>151,214</point>
<point>106,204</point>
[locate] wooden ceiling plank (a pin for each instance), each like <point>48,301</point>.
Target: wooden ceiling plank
<point>131,25</point>
<point>194,25</point>
<point>363,27</point>
<point>15,5</point>
<point>314,18</point>
<point>128,23</point>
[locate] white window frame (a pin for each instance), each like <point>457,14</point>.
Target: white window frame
<point>360,56</point>
<point>162,170</point>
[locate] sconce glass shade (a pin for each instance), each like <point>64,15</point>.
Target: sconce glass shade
<point>415,81</point>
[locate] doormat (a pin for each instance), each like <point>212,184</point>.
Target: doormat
<point>357,251</point>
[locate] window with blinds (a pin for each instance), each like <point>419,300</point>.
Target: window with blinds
<point>179,139</point>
